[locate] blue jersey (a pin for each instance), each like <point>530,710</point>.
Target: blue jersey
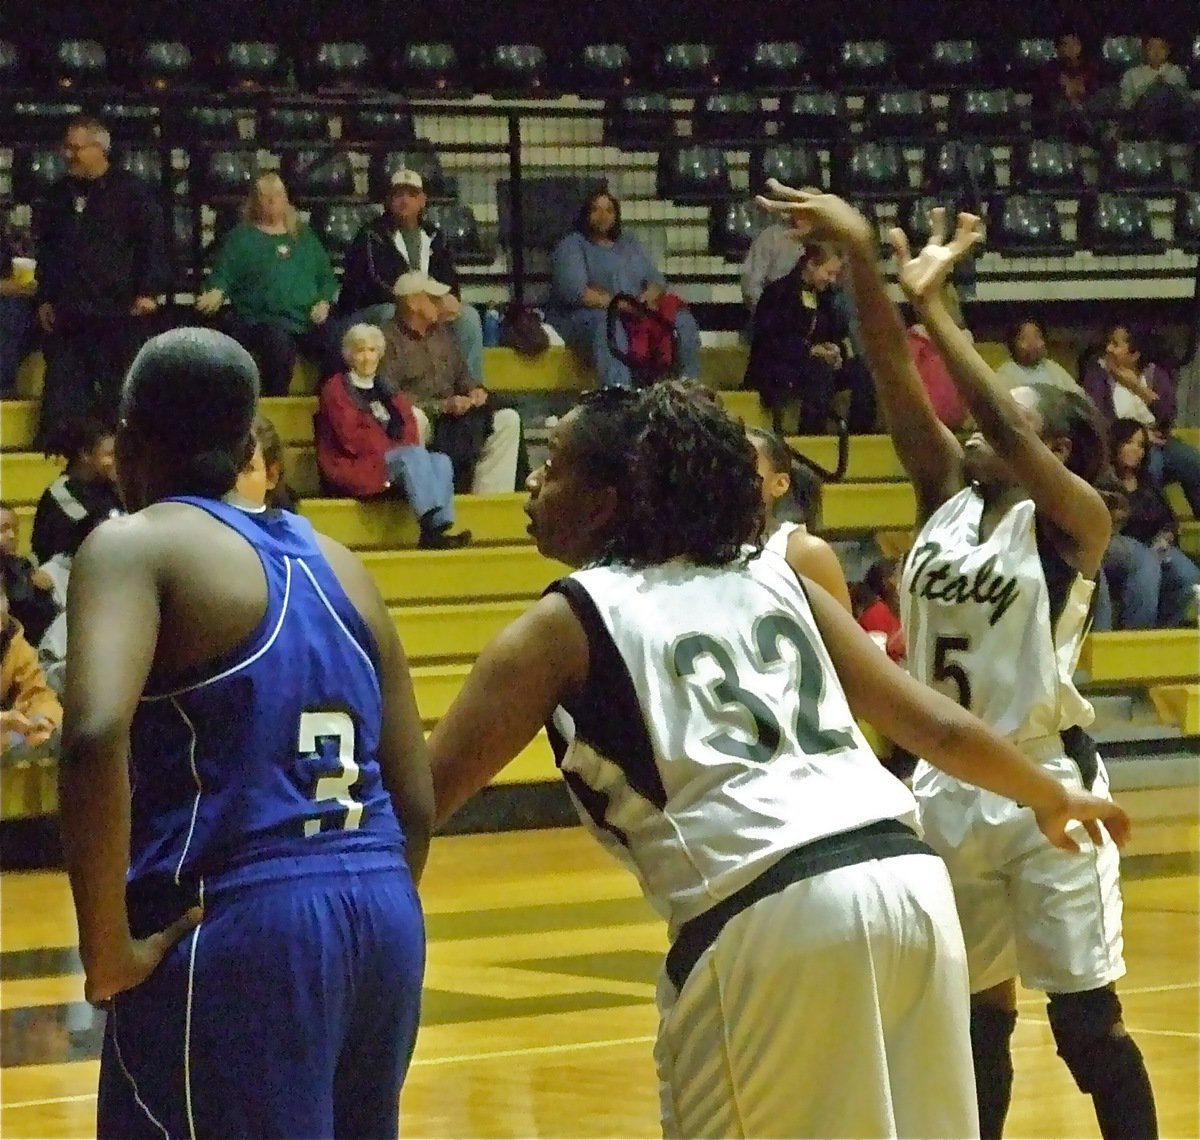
<point>265,765</point>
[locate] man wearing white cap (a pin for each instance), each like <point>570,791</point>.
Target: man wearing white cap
<point>392,245</point>
<point>456,414</point>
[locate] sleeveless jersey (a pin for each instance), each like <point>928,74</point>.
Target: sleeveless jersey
<point>713,735</point>
<point>997,625</point>
<point>778,542</point>
<point>270,754</point>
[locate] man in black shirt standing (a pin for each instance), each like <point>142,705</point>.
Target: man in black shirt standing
<point>102,265</point>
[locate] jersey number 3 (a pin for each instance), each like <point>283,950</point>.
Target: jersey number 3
<point>316,728</point>
<point>769,631</point>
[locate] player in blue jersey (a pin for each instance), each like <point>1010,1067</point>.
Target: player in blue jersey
<point>245,788</point>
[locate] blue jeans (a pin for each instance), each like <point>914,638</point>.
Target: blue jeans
<point>586,333</point>
<point>1177,462</point>
<point>1153,587</point>
<point>16,323</point>
<point>466,328</point>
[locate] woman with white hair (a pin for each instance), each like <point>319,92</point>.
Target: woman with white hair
<point>278,281</point>
<point>369,442</point>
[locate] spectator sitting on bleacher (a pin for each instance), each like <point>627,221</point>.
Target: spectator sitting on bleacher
<point>1155,92</point>
<point>103,263</point>
<point>879,607</point>
<point>264,479</point>
<point>1031,362</point>
<point>1068,96</point>
<point>1166,589</point>
<point>30,715</point>
<point>384,250</point>
<point>1126,382</point>
<point>592,264</point>
<point>31,596</point>
<point>369,443</point>
<point>279,282</point>
<point>456,416</point>
<point>801,348</point>
<point>772,255</point>
<point>83,496</point>
<point>16,309</point>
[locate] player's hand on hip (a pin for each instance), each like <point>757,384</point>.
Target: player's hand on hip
<point>824,217</point>
<point>1089,810</point>
<point>923,276</point>
<point>138,961</point>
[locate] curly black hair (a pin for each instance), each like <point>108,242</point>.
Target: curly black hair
<point>685,474</point>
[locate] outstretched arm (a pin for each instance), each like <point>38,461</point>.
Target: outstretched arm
<point>516,683</point>
<point>928,450</point>
<point>931,725</point>
<point>1062,498</point>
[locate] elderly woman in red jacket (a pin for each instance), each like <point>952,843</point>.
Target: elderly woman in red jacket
<point>368,443</point>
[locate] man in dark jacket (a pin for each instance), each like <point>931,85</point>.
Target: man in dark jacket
<point>801,348</point>
<point>392,245</point>
<point>102,266</point>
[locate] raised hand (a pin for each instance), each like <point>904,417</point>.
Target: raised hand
<point>923,276</point>
<point>825,217</point>
<point>1088,810</point>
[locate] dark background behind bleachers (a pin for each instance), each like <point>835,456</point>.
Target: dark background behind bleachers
<point>480,23</point>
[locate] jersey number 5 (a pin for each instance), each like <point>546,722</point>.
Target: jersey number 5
<point>316,728</point>
<point>946,670</point>
<point>769,631</point>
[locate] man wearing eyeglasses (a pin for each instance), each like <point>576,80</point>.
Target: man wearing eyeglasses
<point>102,267</point>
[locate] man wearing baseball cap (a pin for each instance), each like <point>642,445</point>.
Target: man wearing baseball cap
<point>397,243</point>
<point>456,415</point>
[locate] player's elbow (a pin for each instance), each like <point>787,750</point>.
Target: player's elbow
<point>87,741</point>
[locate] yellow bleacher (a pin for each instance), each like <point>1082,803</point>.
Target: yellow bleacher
<point>448,604</point>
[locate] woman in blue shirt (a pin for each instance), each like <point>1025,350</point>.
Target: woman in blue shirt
<point>593,263</point>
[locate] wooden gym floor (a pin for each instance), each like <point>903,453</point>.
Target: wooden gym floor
<point>539,1014</point>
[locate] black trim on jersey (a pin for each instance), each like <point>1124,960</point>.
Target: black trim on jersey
<point>1060,575</point>
<point>607,712</point>
<point>1081,748</point>
<point>595,803</point>
<point>883,839</point>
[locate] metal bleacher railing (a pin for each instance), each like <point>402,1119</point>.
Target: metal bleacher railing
<point>506,174</point>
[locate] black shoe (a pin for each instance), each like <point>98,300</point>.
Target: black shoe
<point>443,539</point>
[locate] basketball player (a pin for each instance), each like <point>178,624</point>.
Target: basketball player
<point>996,600</point>
<point>241,738</point>
<point>702,704</point>
<point>792,503</point>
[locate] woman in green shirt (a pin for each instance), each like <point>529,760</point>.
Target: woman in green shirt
<point>278,281</point>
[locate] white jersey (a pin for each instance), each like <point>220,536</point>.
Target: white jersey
<point>998,625</point>
<point>713,735</point>
<point>778,542</point>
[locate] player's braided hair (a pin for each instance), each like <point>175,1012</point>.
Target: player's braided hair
<point>687,481</point>
<point>190,394</point>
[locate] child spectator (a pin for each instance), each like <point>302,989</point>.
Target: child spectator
<point>30,715</point>
<point>880,607</point>
<point>83,496</point>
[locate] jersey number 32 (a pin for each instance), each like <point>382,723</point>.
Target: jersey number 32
<point>769,632</point>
